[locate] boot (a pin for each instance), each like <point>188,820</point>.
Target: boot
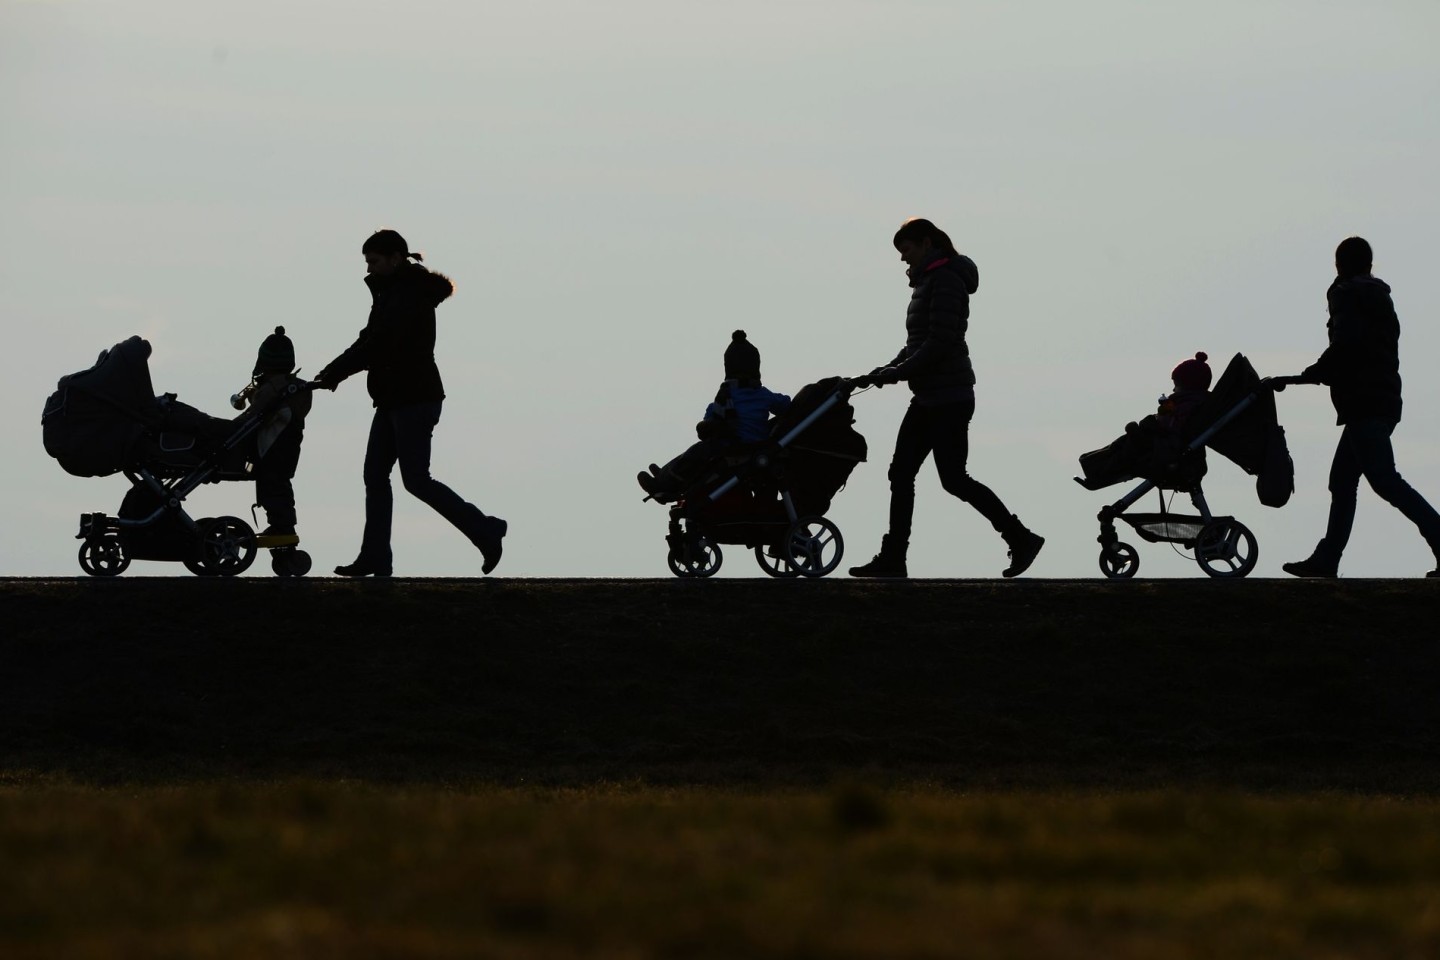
<point>889,563</point>
<point>491,543</point>
<point>1024,548</point>
<point>361,568</point>
<point>1318,566</point>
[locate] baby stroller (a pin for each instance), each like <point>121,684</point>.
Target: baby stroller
<point>107,420</point>
<point>772,496</point>
<point>1238,420</point>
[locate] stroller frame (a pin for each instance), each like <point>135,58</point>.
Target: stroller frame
<point>223,546</point>
<point>807,546</point>
<point>1224,547</point>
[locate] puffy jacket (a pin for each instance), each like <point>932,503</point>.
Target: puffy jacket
<point>1362,363</point>
<point>747,409</point>
<point>397,346</point>
<point>935,360</point>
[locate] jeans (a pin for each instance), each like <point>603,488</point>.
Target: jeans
<point>403,434</point>
<point>944,431</point>
<point>1365,450</point>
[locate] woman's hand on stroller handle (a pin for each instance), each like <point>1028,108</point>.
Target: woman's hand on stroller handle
<point>1278,384</point>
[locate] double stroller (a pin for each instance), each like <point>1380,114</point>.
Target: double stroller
<point>772,496</point>
<point>108,420</point>
<point>1237,420</point>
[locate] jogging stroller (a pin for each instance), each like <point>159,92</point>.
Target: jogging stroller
<point>772,496</point>
<point>1238,420</point>
<point>108,420</point>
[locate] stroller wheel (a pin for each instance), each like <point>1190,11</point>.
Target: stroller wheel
<point>103,557</point>
<point>1226,548</point>
<point>775,566</point>
<point>227,548</point>
<point>699,558</point>
<point>289,562</point>
<point>814,546</point>
<point>1119,561</point>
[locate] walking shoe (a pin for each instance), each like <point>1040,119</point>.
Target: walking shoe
<point>361,569</point>
<point>888,564</point>
<point>648,482</point>
<point>276,535</point>
<point>490,543</point>
<point>1311,569</point>
<point>1024,548</point>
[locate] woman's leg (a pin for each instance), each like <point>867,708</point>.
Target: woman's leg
<point>950,438</point>
<point>912,446</point>
<point>380,454</point>
<point>414,429</point>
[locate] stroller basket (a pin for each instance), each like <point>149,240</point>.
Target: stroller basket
<point>1165,527</point>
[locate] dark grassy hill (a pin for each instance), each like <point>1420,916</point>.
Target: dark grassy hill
<point>1258,683</point>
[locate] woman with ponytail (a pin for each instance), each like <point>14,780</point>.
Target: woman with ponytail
<point>397,348</point>
<point>936,363</point>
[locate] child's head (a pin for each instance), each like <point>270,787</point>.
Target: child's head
<point>742,360</point>
<point>277,354</point>
<point>1192,375</point>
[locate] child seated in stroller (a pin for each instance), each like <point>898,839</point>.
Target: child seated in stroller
<point>1151,447</point>
<point>276,454</point>
<point>739,415</point>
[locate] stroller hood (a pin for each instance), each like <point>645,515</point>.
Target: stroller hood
<point>1254,441</point>
<point>822,456</point>
<point>95,417</point>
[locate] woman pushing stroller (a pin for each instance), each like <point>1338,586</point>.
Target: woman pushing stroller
<point>936,363</point>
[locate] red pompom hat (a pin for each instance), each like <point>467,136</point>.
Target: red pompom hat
<point>1192,374</point>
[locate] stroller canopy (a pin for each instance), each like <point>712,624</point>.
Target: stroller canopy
<point>95,417</point>
<point>822,457</point>
<point>1254,440</point>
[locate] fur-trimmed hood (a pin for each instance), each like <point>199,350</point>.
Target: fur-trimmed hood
<point>433,288</point>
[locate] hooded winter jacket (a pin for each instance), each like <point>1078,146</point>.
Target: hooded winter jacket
<point>397,346</point>
<point>1362,363</point>
<point>935,359</point>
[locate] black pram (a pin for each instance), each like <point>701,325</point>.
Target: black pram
<point>772,496</point>
<point>108,420</point>
<point>1237,420</point>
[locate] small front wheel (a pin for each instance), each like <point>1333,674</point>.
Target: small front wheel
<point>103,557</point>
<point>697,558</point>
<point>1119,561</point>
<point>289,562</point>
<point>1226,549</point>
<point>814,546</point>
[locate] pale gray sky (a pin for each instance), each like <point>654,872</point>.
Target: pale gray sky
<point>616,186</point>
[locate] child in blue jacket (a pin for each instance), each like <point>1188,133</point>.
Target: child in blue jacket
<point>739,414</point>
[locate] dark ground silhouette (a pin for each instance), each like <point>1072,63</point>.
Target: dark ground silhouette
<point>1262,683</point>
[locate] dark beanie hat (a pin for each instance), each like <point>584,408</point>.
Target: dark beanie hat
<point>277,354</point>
<point>1192,374</point>
<point>742,360</point>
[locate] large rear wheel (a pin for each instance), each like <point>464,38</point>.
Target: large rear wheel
<point>1226,549</point>
<point>814,546</point>
<point>227,548</point>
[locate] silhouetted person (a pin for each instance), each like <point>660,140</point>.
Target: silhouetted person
<point>1362,368</point>
<point>936,363</point>
<point>397,347</point>
<point>739,414</point>
<point>277,442</point>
